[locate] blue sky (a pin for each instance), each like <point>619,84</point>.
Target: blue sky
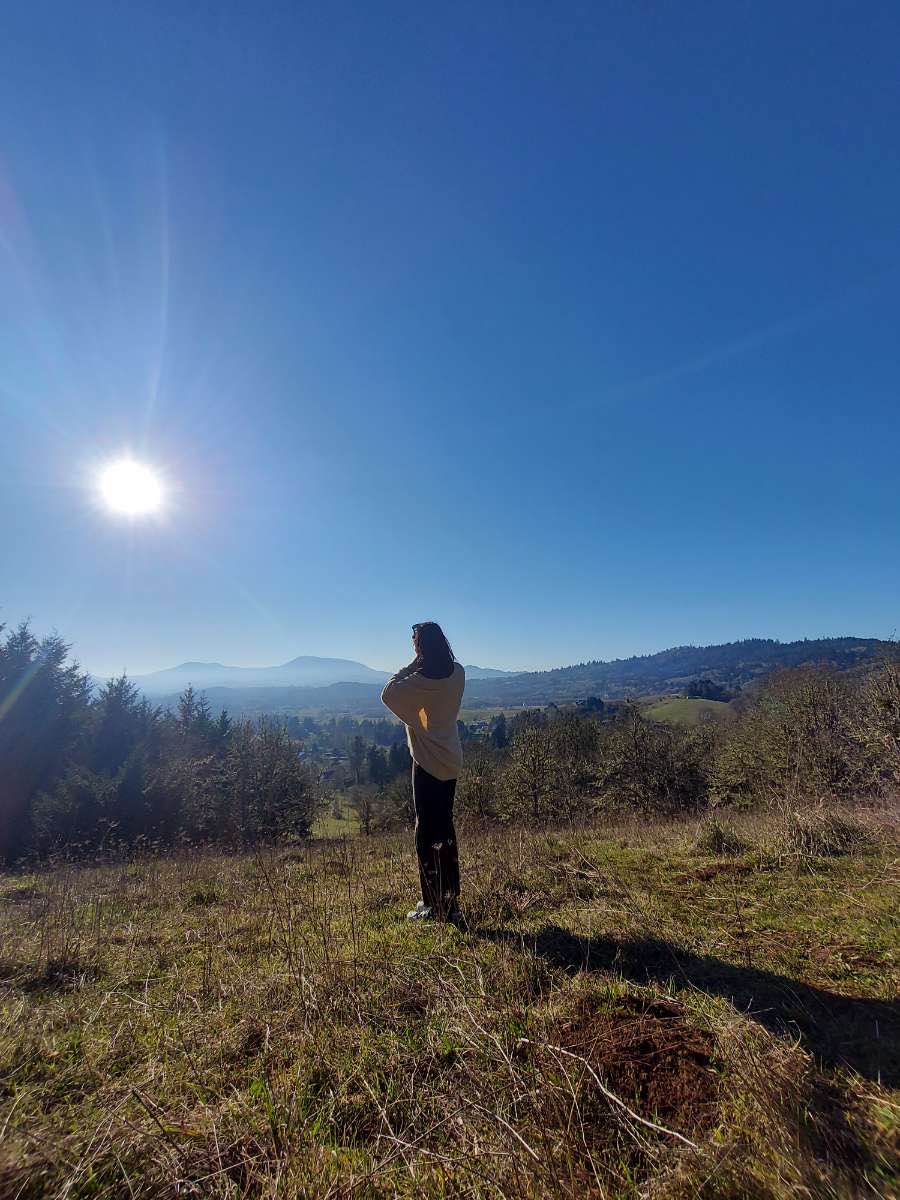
<point>572,326</point>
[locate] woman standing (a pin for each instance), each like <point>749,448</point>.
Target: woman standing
<point>426,696</point>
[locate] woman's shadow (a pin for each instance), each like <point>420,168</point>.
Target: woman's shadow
<point>850,1031</point>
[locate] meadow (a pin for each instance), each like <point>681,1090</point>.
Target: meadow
<point>680,710</point>
<point>641,1008</point>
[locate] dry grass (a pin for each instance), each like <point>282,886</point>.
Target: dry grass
<point>631,1014</point>
<point>716,837</point>
<point>817,833</point>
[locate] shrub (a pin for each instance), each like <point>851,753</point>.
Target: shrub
<point>877,726</point>
<point>654,767</point>
<point>267,784</point>
<point>574,743</point>
<point>798,735</point>
<point>820,834</point>
<point>715,837</point>
<point>526,784</point>
<point>477,790</point>
<point>549,769</point>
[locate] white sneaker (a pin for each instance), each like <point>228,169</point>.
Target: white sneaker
<point>420,913</point>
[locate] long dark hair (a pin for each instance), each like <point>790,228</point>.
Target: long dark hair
<point>433,651</point>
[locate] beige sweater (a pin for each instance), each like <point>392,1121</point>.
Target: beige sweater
<point>429,709</point>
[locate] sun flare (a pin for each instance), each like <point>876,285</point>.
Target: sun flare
<point>130,488</point>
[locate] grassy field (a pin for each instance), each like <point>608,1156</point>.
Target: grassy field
<point>486,714</point>
<point>327,825</point>
<point>636,1011</point>
<point>681,711</point>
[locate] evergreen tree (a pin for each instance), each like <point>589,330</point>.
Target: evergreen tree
<point>222,729</point>
<point>356,754</point>
<point>499,735</point>
<point>187,708</point>
<point>44,709</point>
<point>377,766</point>
<point>204,725</point>
<point>119,719</point>
<point>267,783</point>
<point>399,761</point>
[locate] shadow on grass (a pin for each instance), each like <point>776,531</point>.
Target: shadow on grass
<point>851,1031</point>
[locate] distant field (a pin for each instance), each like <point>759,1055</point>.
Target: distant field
<point>486,714</point>
<point>681,711</point>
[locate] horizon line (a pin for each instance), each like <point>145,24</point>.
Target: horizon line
<point>510,670</point>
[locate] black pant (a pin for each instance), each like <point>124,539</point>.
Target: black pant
<point>436,840</point>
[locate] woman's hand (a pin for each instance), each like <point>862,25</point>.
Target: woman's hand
<point>409,669</point>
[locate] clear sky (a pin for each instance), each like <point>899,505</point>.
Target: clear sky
<point>572,326</point>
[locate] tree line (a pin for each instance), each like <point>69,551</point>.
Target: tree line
<point>805,734</point>
<point>82,771</point>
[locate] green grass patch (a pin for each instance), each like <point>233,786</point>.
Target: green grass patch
<point>633,1012</point>
<point>681,711</point>
<point>487,714</point>
<point>335,825</point>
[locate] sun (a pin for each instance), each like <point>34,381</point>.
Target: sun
<point>130,488</point>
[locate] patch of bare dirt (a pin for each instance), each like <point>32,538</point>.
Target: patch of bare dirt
<point>652,1059</point>
<point>836,953</point>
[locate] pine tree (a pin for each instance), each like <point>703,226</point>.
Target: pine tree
<point>118,725</point>
<point>356,755</point>
<point>399,761</point>
<point>377,766</point>
<point>222,729</point>
<point>44,709</point>
<point>499,734</point>
<point>187,708</point>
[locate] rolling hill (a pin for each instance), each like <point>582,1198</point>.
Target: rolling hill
<point>341,685</point>
<point>306,672</point>
<point>733,664</point>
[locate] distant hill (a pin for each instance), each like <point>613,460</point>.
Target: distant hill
<point>733,664</point>
<point>341,685</point>
<point>306,671</point>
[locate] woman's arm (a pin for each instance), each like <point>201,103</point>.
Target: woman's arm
<point>397,697</point>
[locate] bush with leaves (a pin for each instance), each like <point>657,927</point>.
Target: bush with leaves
<point>653,767</point>
<point>266,789</point>
<point>798,738</point>
<point>876,727</point>
<point>477,790</point>
<point>526,789</point>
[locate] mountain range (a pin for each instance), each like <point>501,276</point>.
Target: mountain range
<point>735,665</point>
<point>342,685</point>
<point>306,671</point>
